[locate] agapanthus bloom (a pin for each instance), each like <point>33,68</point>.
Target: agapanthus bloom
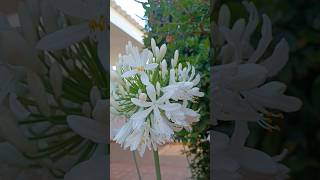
<point>156,104</point>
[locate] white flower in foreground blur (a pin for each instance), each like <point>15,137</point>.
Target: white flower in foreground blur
<point>95,130</point>
<point>239,94</point>
<point>155,104</point>
<point>239,86</point>
<point>95,26</point>
<point>245,163</point>
<point>139,63</point>
<point>13,166</point>
<point>53,104</point>
<point>92,169</point>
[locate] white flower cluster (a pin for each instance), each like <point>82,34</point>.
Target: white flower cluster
<point>153,96</point>
<point>241,94</point>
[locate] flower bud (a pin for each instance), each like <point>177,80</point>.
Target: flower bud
<point>143,96</point>
<point>158,89</point>
<point>153,46</point>
<point>38,92</point>
<point>172,79</point>
<point>164,69</point>
<point>163,50</point>
<point>224,16</point>
<point>174,61</point>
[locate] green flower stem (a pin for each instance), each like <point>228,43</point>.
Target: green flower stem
<point>157,164</point>
<point>136,164</point>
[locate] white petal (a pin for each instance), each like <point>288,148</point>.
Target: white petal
<point>249,76</point>
<point>38,92</point>
<point>265,40</point>
<point>170,106</point>
<point>88,128</point>
<point>141,114</point>
<point>238,30</point>
<point>163,50</point>
<point>151,92</point>
<point>17,108</point>
<point>140,103</point>
<point>151,66</point>
<point>253,19</point>
<point>144,78</point>
<point>196,80</point>
<point>129,73</point>
<point>232,41</point>
<point>128,60</point>
<point>92,169</point>
<point>275,86</point>
<point>278,59</point>
<point>165,97</point>
<point>64,38</point>
<point>224,16</point>
<point>275,100</point>
<point>257,161</point>
<point>11,131</point>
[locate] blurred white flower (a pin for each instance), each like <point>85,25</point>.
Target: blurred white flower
<point>95,26</point>
<point>238,87</point>
<point>13,166</point>
<point>240,162</point>
<point>94,129</point>
<point>92,169</point>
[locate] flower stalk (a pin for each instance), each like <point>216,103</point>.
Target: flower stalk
<point>157,164</point>
<point>136,164</point>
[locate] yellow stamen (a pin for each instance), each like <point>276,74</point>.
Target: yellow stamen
<point>140,68</point>
<point>100,25</point>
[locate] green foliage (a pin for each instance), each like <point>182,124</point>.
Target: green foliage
<point>184,25</point>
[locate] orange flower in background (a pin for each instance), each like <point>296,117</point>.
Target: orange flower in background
<point>169,38</point>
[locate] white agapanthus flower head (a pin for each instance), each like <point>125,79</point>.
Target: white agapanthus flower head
<point>154,96</point>
<point>241,162</point>
<point>54,105</point>
<point>241,92</point>
<point>240,86</point>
